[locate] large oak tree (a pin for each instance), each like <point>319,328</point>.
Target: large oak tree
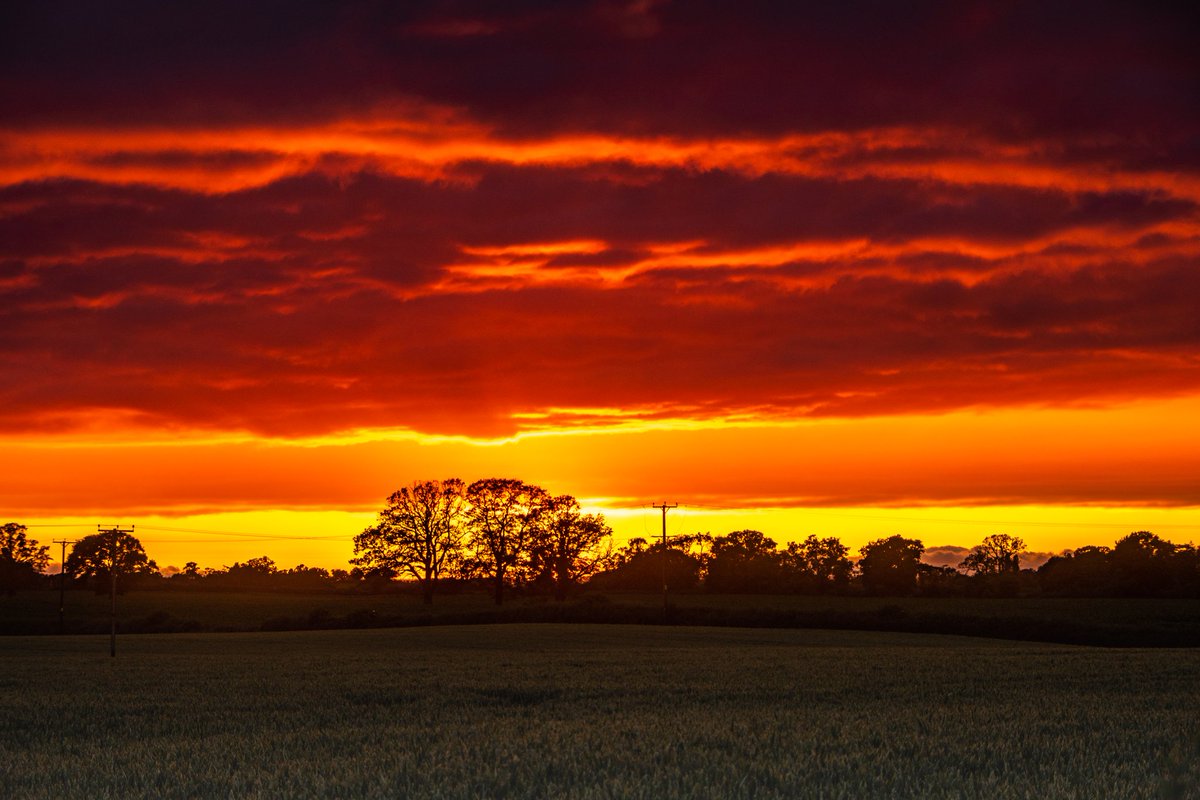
<point>820,564</point>
<point>890,566</point>
<point>98,556</point>
<point>569,546</point>
<point>503,518</point>
<point>419,532</point>
<point>997,554</point>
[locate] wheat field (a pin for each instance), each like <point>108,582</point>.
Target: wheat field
<point>580,711</point>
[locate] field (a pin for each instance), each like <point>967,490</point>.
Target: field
<point>1104,621</point>
<point>584,711</point>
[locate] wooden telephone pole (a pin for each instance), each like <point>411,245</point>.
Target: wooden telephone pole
<point>62,584</point>
<point>114,569</point>
<point>666,607</point>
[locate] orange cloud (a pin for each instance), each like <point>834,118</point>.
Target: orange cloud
<point>220,160</point>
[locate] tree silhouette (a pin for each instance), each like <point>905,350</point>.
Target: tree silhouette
<point>1138,565</point>
<point>1143,564</point>
<point>21,559</point>
<point>935,581</point>
<point>1085,571</point>
<point>998,554</point>
<point>743,561</point>
<point>568,545</point>
<point>96,557</point>
<point>640,566</point>
<point>889,566</point>
<point>503,518</point>
<point>419,533</point>
<point>260,565</point>
<point>822,564</point>
<point>254,573</point>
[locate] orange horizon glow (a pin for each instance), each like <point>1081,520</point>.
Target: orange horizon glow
<point>324,538</point>
<point>855,478</point>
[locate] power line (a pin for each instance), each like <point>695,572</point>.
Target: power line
<point>214,541</point>
<point>164,529</point>
<point>205,531</point>
<point>815,511</point>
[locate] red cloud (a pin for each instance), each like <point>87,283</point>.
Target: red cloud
<point>319,303</point>
<point>470,226</point>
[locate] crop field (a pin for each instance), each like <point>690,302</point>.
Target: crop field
<point>583,711</point>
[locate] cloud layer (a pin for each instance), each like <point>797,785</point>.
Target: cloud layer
<point>485,218</point>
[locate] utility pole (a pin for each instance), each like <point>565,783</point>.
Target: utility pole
<point>62,584</point>
<point>113,532</point>
<point>666,608</point>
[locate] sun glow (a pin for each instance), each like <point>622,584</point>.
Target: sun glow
<point>854,478</point>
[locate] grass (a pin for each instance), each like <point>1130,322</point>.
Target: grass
<point>584,711</point>
<point>1104,621</point>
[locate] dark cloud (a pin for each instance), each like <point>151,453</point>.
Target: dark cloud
<point>1035,559</point>
<point>1050,70</point>
<point>950,555</point>
<point>414,220</point>
<point>946,555</point>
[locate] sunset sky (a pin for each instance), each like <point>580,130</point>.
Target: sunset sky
<point>850,269</point>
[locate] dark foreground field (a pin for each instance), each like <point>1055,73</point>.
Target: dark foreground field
<point>584,711</point>
<point>1121,622</point>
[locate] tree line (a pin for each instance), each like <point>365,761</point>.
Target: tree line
<point>502,532</point>
<point>509,535</point>
<point>1140,564</point>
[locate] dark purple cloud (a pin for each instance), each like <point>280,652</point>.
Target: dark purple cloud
<point>1045,69</point>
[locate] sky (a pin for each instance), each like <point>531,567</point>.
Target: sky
<point>847,269</point>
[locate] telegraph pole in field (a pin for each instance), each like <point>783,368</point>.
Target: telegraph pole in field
<point>113,533</point>
<point>62,584</point>
<point>664,506</point>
